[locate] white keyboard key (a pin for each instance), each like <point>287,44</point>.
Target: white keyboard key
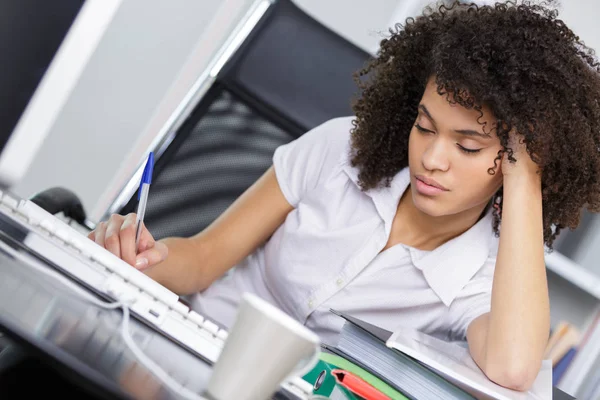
<point>76,244</point>
<point>152,287</point>
<point>121,290</point>
<point>113,284</point>
<point>195,317</point>
<point>194,326</point>
<point>181,308</point>
<point>103,256</point>
<point>211,327</point>
<point>97,267</point>
<point>47,226</point>
<point>20,211</point>
<point>116,287</point>
<point>175,327</point>
<point>158,309</point>
<point>10,202</point>
<point>222,334</point>
<point>30,218</point>
<point>208,336</point>
<point>63,235</point>
<point>153,311</point>
<point>80,245</point>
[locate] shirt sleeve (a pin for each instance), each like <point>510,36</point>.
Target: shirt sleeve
<point>303,163</point>
<point>474,300</point>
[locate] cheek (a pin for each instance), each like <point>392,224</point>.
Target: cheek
<point>416,147</point>
<point>479,183</point>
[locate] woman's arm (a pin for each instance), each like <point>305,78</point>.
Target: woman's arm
<point>508,342</point>
<point>193,264</point>
<point>187,265</point>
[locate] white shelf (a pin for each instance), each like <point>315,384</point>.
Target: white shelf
<point>574,273</point>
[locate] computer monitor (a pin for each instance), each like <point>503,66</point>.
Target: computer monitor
<point>44,47</point>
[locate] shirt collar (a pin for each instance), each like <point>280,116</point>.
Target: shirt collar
<point>385,198</point>
<point>449,267</point>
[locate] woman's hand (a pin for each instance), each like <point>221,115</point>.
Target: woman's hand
<point>117,235</point>
<point>524,164</point>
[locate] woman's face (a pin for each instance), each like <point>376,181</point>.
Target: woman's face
<point>450,149</point>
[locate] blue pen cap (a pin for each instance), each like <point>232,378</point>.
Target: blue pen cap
<point>147,174</point>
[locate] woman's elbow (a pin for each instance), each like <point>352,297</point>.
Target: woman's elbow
<point>516,377</point>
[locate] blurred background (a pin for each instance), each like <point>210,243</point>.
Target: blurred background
<point>153,52</point>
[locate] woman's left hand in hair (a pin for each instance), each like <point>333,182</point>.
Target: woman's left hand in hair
<point>524,166</point>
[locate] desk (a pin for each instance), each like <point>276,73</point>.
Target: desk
<point>70,339</point>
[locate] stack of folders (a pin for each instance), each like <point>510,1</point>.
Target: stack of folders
<point>423,367</point>
<point>561,348</point>
<point>580,367</point>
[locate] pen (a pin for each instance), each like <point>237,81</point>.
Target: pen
<point>357,385</point>
<point>143,198</point>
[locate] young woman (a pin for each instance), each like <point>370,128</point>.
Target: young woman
<point>474,142</point>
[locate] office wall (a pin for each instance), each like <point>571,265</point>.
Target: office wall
<point>134,65</point>
<point>362,22</point>
<point>582,17</point>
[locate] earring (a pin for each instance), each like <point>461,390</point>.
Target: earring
<point>498,204</point>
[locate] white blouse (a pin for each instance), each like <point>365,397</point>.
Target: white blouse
<point>327,253</point>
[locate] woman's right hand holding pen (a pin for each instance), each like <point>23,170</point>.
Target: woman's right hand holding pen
<point>195,262</point>
<point>117,235</point>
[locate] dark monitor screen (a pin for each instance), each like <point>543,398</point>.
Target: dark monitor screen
<point>31,32</point>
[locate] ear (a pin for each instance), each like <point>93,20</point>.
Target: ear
<point>499,169</point>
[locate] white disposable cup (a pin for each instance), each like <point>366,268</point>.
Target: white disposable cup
<point>264,348</point>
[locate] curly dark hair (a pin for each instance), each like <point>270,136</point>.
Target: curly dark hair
<point>527,66</point>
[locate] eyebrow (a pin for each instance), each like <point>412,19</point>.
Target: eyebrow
<point>468,132</point>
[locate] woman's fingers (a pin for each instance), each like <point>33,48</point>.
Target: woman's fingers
<point>112,240</point>
<point>100,231</point>
<point>156,254</point>
<point>118,235</point>
<point>146,240</point>
<point>127,239</point>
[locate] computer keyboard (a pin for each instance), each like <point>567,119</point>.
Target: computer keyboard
<point>92,265</point>
<point>100,270</point>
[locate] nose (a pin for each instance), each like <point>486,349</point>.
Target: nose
<point>435,156</point>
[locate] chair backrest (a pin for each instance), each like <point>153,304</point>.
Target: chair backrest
<point>290,74</point>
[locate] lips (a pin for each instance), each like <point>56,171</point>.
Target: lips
<point>430,182</point>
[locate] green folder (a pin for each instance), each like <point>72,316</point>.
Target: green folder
<point>327,385</point>
<point>324,382</point>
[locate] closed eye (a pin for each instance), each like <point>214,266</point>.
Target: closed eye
<point>462,148</point>
<point>468,151</point>
<point>420,128</point>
